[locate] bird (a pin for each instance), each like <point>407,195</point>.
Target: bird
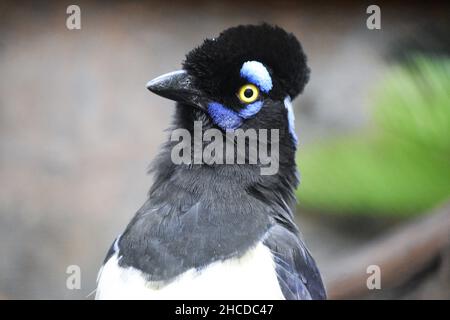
<point>222,231</point>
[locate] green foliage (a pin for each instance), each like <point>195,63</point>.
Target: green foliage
<point>414,103</point>
<point>403,167</point>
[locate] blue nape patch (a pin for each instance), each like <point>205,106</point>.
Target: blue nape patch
<point>251,109</point>
<point>256,73</point>
<point>224,117</point>
<point>291,119</point>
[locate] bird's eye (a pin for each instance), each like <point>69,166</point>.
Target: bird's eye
<point>248,93</point>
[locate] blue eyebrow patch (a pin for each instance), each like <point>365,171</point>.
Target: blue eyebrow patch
<point>256,73</point>
<point>251,109</point>
<point>224,117</point>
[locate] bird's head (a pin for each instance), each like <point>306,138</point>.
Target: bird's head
<point>245,78</point>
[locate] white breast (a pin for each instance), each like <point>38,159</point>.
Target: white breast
<point>251,276</point>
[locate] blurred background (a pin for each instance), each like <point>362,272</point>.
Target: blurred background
<point>78,130</point>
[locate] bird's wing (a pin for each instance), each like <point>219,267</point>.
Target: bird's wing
<point>297,272</point>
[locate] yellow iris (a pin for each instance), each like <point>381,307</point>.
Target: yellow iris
<point>248,93</point>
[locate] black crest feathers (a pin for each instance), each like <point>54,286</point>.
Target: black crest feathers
<point>217,62</point>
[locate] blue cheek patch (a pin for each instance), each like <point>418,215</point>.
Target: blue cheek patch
<point>256,73</point>
<point>229,119</point>
<point>251,109</point>
<point>224,117</point>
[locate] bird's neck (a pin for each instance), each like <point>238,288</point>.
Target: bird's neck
<point>201,213</point>
<point>200,177</point>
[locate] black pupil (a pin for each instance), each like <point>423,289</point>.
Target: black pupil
<point>248,93</point>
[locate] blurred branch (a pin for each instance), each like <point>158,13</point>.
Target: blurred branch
<point>400,255</point>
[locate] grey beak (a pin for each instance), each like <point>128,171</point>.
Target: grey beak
<point>177,86</point>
